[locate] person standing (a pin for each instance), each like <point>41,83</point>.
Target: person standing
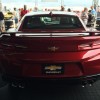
<point>68,10</point>
<point>24,11</point>
<point>93,13</point>
<point>2,26</point>
<point>62,8</point>
<point>15,16</point>
<point>84,16</point>
<point>35,9</point>
<point>89,18</point>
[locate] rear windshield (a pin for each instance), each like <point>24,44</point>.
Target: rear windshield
<point>51,22</point>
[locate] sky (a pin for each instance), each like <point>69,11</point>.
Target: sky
<point>31,3</point>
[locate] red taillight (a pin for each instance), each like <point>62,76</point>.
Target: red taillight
<point>93,45</point>
<point>85,46</point>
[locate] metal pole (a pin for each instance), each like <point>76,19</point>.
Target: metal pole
<point>0,5</point>
<point>61,2</point>
<point>95,4</point>
<point>36,3</point>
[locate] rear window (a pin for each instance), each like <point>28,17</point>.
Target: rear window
<point>51,22</point>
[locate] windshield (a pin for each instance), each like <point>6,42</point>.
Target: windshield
<point>52,22</point>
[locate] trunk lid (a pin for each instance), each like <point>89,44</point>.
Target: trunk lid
<point>28,43</point>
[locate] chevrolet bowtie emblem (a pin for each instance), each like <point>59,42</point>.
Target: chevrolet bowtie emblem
<point>53,48</point>
<point>53,67</point>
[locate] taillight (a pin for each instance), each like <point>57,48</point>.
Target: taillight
<point>93,45</point>
<point>85,46</point>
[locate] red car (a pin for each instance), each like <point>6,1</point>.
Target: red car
<point>51,45</point>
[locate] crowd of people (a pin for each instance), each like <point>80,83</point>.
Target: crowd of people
<point>89,16</point>
<point>86,15</point>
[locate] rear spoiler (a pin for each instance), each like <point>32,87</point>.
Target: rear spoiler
<point>53,33</point>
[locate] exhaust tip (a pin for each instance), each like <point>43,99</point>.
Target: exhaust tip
<point>89,82</point>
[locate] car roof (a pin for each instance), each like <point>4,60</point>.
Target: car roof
<point>48,12</point>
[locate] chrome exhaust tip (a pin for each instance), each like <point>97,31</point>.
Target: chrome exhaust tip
<point>21,86</point>
<point>14,85</point>
<point>84,83</point>
<point>89,82</point>
<point>17,85</point>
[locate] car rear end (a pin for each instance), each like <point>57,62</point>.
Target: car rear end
<point>51,51</point>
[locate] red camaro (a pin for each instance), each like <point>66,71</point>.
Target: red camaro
<point>51,45</point>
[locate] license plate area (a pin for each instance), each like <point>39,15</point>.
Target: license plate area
<point>53,69</point>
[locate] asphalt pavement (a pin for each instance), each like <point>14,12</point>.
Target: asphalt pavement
<point>50,92</point>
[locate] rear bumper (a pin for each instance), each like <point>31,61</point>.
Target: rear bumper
<point>73,80</point>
